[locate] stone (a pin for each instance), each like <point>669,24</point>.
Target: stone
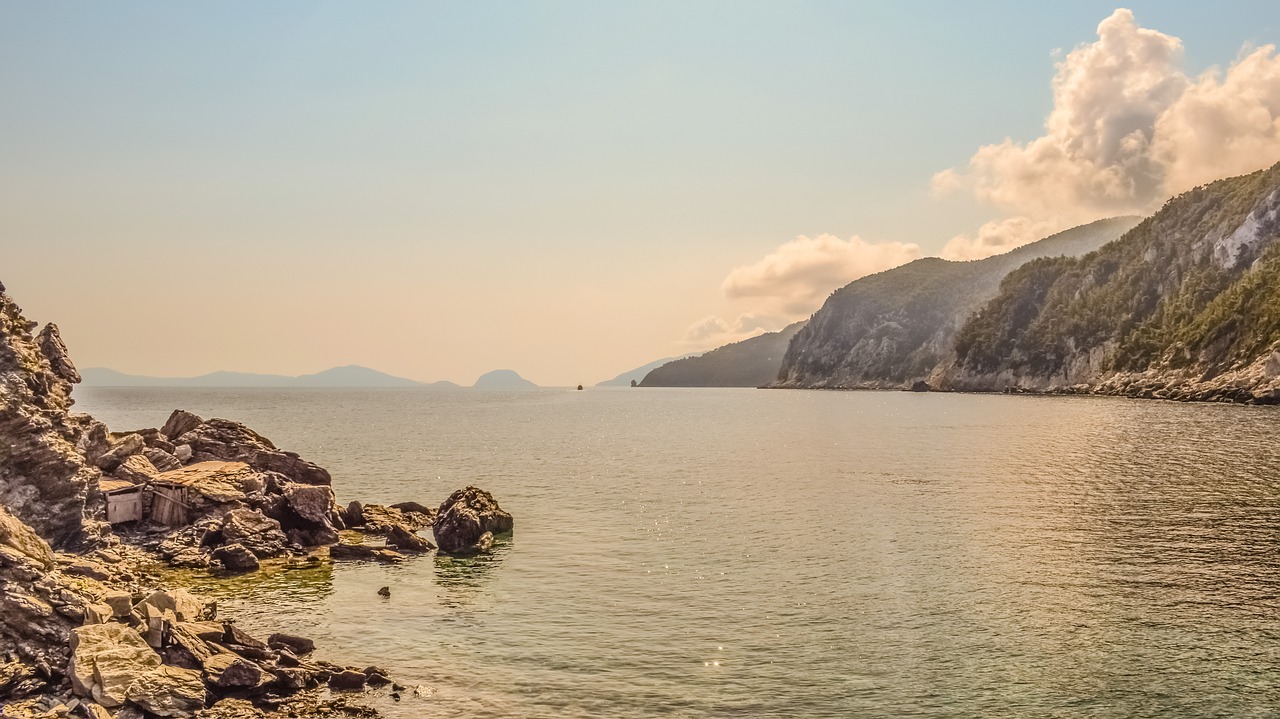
<point>121,603</point>
<point>23,541</point>
<point>225,440</point>
<point>236,557</point>
<point>192,638</point>
<point>183,453</point>
<point>465,517</point>
<point>161,459</point>
<point>168,691</point>
<point>105,660</point>
<point>229,671</point>
<point>236,635</point>
<point>298,646</point>
<point>254,531</point>
<point>347,680</point>
<point>86,568</point>
<point>413,507</point>
<point>313,503</point>
<point>364,552</point>
<point>179,423</point>
<point>353,516</point>
<point>55,351</point>
<point>211,482</point>
<point>121,449</point>
<point>97,613</point>
<point>405,541</point>
<point>186,607</point>
<point>136,469</point>
<point>377,676</point>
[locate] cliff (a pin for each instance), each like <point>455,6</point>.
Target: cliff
<point>1185,306</point>
<point>749,363</point>
<point>893,328</point>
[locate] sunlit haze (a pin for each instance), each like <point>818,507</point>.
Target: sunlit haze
<point>571,189</point>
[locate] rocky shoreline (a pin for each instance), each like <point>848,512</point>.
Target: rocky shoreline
<point>88,628</point>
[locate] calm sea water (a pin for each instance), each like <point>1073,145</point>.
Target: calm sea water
<point>744,553</point>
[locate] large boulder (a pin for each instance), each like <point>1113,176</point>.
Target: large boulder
<point>168,691</point>
<point>312,503</point>
<point>121,449</point>
<point>406,541</point>
<point>136,469</point>
<point>236,557</point>
<point>106,659</point>
<point>465,518</point>
<point>252,530</point>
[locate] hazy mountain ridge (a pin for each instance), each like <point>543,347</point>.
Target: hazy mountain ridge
<point>639,373</point>
<point>750,363</point>
<point>348,376</point>
<point>503,379</point>
<point>1185,306</point>
<point>893,328</point>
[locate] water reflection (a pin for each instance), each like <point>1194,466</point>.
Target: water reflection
<point>465,580</point>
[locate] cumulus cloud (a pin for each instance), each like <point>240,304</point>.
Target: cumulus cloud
<point>705,329</point>
<point>1128,129</point>
<point>793,280</point>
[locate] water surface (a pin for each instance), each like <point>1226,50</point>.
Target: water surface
<point>721,553</point>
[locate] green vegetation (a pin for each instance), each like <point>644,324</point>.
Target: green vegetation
<point>894,327</point>
<point>1166,295</point>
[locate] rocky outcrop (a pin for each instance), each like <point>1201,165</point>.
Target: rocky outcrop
<point>750,363</point>
<point>1181,307</point>
<point>228,441</point>
<point>468,520</point>
<point>44,480</point>
<point>892,329</point>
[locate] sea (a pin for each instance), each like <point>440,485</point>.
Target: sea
<point>780,553</point>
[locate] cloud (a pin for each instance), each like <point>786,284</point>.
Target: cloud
<point>705,329</point>
<point>998,237</point>
<point>793,280</point>
<point>1128,129</point>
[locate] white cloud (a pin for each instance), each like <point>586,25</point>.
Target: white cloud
<point>792,281</point>
<point>705,329</point>
<point>998,237</point>
<point>1128,129</point>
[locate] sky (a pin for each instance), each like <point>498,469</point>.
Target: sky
<point>571,189</point>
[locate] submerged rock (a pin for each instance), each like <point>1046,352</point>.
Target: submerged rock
<point>465,518</point>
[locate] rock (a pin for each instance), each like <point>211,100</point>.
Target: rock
<point>188,643</point>
<point>161,459</point>
<point>298,646</point>
<point>136,469</point>
<point>105,661</point>
<point>257,533</point>
<point>55,351</point>
<point>183,453</point>
<point>230,708</point>
<point>123,448</point>
<point>348,679</point>
<point>920,386</point>
<point>313,503</point>
<point>237,636</point>
<point>179,423</point>
<point>168,692</point>
<point>353,516</point>
<point>221,439</point>
<point>228,671</point>
<point>413,507</point>
<point>317,537</point>
<point>121,603</point>
<point>236,557</point>
<point>360,551</point>
<point>21,541</point>
<point>186,607</point>
<point>406,541</point>
<point>93,442</point>
<point>384,592</point>
<point>465,517</point>
<point>44,480</point>
<point>212,482</point>
<point>377,676</point>
<point>85,568</point>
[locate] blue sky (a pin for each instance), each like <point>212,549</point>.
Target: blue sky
<point>439,189</point>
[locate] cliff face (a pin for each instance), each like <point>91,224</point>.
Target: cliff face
<point>44,481</point>
<point>1185,306</point>
<point>750,363</point>
<point>891,329</point>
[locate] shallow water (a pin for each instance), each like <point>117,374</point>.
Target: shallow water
<point>717,553</point>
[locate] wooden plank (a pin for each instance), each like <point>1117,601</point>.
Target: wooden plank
<point>169,506</point>
<point>124,507</point>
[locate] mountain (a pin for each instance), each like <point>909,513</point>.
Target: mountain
<point>1185,306</point>
<point>637,374</point>
<point>749,363</point>
<point>349,376</point>
<point>893,328</point>
<point>503,379</point>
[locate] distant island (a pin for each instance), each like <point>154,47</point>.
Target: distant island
<point>348,376</point>
<point>503,379</point>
